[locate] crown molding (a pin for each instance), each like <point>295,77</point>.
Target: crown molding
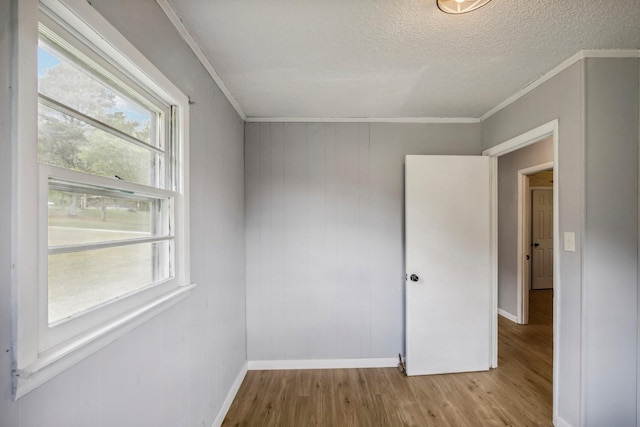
<point>168,9</point>
<point>583,54</point>
<point>362,120</point>
<point>188,38</point>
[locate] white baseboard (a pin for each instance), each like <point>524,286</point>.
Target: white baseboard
<point>222,413</point>
<point>266,365</point>
<point>561,423</point>
<point>508,315</point>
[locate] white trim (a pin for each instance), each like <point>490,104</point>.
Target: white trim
<point>612,53</point>
<point>68,111</point>
<point>557,294</point>
<point>177,22</point>
<point>222,413</point>
<point>559,422</point>
<point>522,275</point>
<point>520,141</point>
<point>110,184</point>
<point>115,46</point>
<point>269,365</point>
<point>168,9</point>
<point>50,364</point>
<point>493,173</point>
<point>39,352</point>
<point>25,233</point>
<point>582,160</point>
<point>523,233</point>
<point>362,120</point>
<point>508,315</point>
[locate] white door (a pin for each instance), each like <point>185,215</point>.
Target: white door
<point>542,239</point>
<point>448,264</point>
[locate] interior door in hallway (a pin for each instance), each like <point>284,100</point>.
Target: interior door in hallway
<point>448,264</point>
<point>542,239</point>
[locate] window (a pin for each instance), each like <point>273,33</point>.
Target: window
<point>105,239</point>
<point>108,163</point>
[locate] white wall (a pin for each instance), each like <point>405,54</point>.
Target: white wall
<point>324,229</point>
<point>177,369</point>
<point>508,167</point>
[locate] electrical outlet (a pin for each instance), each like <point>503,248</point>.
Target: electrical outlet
<point>569,241</point>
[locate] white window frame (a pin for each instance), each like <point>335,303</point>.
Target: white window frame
<point>41,351</point>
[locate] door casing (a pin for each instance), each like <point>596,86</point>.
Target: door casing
<point>513,144</point>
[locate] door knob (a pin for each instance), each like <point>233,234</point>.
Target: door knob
<point>535,245</point>
<point>414,278</point>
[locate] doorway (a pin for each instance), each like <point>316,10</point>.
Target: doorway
<point>541,231</point>
<point>548,130</point>
<point>535,238</point>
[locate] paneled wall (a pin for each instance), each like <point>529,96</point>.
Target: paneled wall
<point>610,289</point>
<point>324,230</point>
<point>596,102</point>
<point>559,98</point>
<point>177,369</point>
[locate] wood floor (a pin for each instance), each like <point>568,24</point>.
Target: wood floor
<point>517,393</point>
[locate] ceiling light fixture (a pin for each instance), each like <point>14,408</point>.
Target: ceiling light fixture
<point>460,6</point>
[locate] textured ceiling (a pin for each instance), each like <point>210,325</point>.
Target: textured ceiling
<point>394,58</point>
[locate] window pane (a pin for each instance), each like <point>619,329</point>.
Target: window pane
<point>69,143</point>
<point>79,281</point>
<point>79,88</point>
<point>80,218</point>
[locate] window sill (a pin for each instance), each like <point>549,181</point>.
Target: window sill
<point>53,362</point>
